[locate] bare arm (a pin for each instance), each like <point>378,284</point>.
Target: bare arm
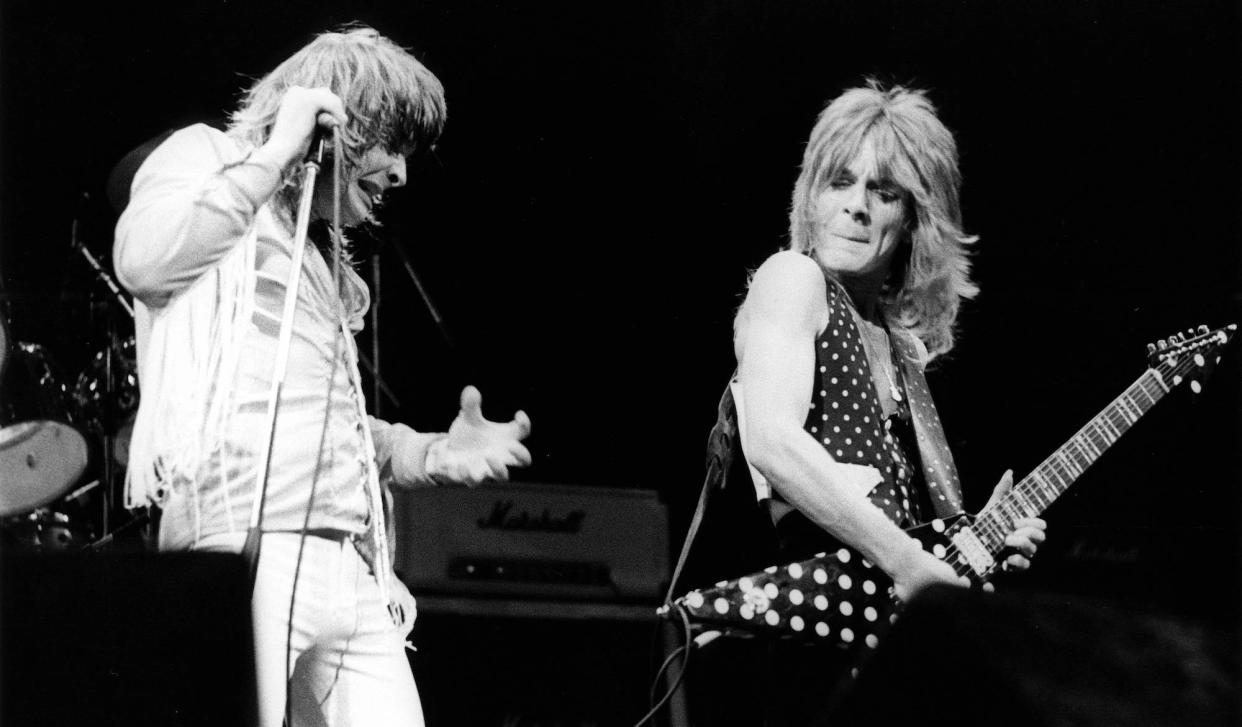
<point>784,312</point>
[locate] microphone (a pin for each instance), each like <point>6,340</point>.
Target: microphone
<point>324,124</point>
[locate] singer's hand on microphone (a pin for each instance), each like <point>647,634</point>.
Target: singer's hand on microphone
<point>301,111</point>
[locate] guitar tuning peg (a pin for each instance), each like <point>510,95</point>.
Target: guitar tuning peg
<point>1173,341</point>
<point>1151,348</point>
<point>1202,330</point>
<point>1161,344</point>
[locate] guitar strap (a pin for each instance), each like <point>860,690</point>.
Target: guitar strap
<point>940,473</point>
<point>721,444</point>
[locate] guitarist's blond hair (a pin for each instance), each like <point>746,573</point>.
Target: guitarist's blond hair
<point>931,274</point>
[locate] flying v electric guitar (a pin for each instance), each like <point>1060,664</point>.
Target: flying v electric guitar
<point>840,598</point>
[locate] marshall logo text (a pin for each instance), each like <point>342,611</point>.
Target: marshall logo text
<point>502,517</point>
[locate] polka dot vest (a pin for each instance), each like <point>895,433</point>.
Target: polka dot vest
<point>908,449</point>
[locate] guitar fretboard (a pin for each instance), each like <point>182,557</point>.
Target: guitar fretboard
<point>1053,477</point>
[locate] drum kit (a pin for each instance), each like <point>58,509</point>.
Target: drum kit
<point>64,442</point>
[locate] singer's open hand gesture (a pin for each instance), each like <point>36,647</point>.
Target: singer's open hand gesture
<point>477,450</point>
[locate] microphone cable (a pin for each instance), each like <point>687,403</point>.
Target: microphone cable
<point>253,545</point>
<point>327,410</point>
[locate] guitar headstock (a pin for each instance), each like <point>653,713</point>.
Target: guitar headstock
<point>1189,354</point>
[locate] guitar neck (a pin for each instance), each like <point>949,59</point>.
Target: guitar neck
<point>1053,477</point>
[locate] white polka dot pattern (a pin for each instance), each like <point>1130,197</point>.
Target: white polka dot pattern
<point>835,596</point>
<point>845,393</point>
<point>839,597</point>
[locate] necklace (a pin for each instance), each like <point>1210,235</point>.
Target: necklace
<point>886,361</point>
<point>867,332</point>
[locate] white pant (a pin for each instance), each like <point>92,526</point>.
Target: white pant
<point>347,660</point>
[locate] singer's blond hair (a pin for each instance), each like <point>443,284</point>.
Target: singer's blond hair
<point>391,99</point>
<point>931,274</point>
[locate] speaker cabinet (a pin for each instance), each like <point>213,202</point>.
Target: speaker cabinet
<point>125,639</point>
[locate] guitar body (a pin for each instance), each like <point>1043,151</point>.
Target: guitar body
<point>836,597</point>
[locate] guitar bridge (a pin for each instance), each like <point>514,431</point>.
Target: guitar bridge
<point>973,551</point>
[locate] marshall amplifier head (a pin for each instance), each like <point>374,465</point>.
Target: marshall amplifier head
<point>533,541</point>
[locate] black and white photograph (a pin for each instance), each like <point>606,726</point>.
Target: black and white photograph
<point>671,363</point>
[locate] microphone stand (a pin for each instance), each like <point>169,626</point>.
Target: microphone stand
<point>109,437</point>
<point>254,536</point>
<point>99,271</point>
<point>373,369</point>
<point>372,364</point>
<point>422,292</point>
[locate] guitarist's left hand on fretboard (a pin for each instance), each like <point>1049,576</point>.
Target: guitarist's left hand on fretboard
<point>1027,535</point>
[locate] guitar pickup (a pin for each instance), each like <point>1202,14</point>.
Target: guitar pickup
<point>973,551</point>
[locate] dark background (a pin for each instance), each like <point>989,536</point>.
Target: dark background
<point>610,172</point>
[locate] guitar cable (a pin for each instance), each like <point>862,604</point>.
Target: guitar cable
<point>684,650</point>
<point>720,444</point>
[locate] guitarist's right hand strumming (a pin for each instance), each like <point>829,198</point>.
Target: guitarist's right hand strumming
<point>919,569</point>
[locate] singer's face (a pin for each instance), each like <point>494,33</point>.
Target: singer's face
<point>362,188</point>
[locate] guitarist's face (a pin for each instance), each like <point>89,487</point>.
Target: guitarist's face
<point>860,218</point>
